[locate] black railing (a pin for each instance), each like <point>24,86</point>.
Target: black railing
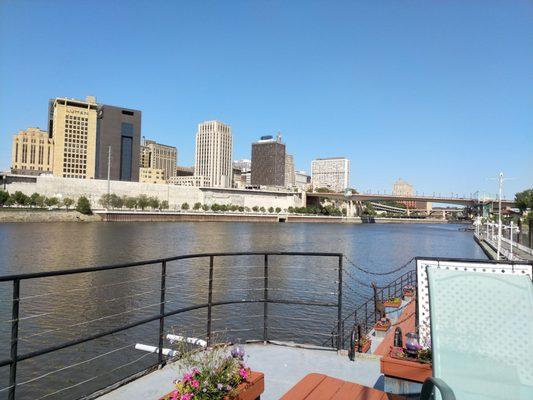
<point>365,314</point>
<point>266,299</point>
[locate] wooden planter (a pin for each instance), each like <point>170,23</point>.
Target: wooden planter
<point>405,369</point>
<point>250,390</point>
<point>392,304</point>
<point>382,327</point>
<point>408,292</point>
<point>365,347</point>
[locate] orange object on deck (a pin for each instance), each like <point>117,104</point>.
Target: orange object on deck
<point>407,325</point>
<point>323,387</point>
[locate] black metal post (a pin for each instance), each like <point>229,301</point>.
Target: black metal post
<point>339,308</point>
<point>162,312</point>
<point>366,316</point>
<point>265,298</point>
<point>14,339</point>
<point>210,300</point>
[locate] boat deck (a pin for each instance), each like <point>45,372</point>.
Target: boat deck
<point>283,365</point>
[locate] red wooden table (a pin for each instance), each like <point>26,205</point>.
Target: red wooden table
<point>323,387</point>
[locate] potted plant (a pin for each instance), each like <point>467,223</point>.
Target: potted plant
<point>364,343</point>
<point>217,373</point>
<point>383,325</point>
<point>394,302</point>
<point>409,291</point>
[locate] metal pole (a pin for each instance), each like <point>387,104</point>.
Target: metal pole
<point>339,307</point>
<point>500,216</point>
<point>511,238</point>
<point>265,299</point>
<point>162,312</point>
<point>210,300</point>
<point>14,339</point>
<point>108,171</point>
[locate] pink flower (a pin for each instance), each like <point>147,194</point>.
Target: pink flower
<point>243,373</point>
<point>187,396</point>
<point>187,377</point>
<point>195,384</point>
<point>195,371</point>
<point>174,395</point>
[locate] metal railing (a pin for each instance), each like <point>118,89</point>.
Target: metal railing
<point>266,298</point>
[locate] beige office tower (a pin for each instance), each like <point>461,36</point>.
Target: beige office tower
<point>214,148</point>
<point>290,178</point>
<point>159,156</point>
<point>72,126</point>
<point>330,173</point>
<point>32,152</point>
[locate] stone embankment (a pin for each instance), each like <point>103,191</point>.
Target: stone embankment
<point>46,216</point>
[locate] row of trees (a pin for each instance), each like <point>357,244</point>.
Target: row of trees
<point>37,200</point>
<point>142,202</point>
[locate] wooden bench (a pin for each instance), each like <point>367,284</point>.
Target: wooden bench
<point>323,387</point>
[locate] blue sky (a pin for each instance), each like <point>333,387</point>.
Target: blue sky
<point>439,93</point>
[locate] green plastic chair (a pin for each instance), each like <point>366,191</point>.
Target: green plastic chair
<point>482,334</point>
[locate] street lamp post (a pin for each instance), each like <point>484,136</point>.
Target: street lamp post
<point>500,181</point>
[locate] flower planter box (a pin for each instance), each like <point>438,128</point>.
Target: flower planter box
<point>249,390</point>
<point>409,293</point>
<point>365,348</point>
<point>382,326</point>
<point>405,369</point>
<point>393,303</point>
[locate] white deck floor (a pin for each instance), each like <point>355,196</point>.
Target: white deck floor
<point>283,367</point>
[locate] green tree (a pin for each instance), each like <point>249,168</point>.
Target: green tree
<point>323,190</point>
<point>67,201</point>
<point>143,201</point>
<point>4,196</point>
<point>291,209</point>
<point>164,205</point>
<point>255,208</point>
<point>116,201</point>
<point>271,209</point>
<point>185,206</point>
<point>84,206</point>
<point>241,209</point>
<point>20,198</point>
<point>105,201</point>
<point>278,210</point>
<point>130,202</point>
<point>205,207</point>
<point>33,199</point>
<point>197,206</point>
<point>524,200</point>
<point>215,207</point>
<point>153,202</point>
<point>262,209</point>
<point>51,201</point>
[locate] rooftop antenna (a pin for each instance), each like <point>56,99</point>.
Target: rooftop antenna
<point>278,137</point>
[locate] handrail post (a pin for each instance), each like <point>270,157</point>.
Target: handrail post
<point>14,339</point>
<point>339,308</point>
<point>265,299</point>
<point>210,300</point>
<point>162,312</point>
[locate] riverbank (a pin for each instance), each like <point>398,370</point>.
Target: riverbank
<point>191,216</point>
<point>46,216</point>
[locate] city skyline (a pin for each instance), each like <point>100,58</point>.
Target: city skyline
<point>438,134</point>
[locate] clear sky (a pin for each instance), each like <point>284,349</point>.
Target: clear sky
<point>439,93</point>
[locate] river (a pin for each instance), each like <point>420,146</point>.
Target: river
<point>54,310</point>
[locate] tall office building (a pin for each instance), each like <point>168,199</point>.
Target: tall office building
<point>32,152</point>
<point>119,129</point>
<point>84,131</point>
<point>214,149</point>
<point>159,156</point>
<point>331,173</point>
<point>72,126</point>
<point>268,162</point>
<point>290,178</point>
<point>403,188</point>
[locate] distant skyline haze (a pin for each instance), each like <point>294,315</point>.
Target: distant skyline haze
<point>437,93</point>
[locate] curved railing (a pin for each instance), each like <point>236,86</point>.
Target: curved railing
<point>263,296</point>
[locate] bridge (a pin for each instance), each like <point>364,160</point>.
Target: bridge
<point>361,197</point>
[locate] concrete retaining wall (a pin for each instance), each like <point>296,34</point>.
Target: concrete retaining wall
<point>45,216</point>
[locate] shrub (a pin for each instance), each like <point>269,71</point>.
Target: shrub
<point>84,206</point>
<point>163,205</point>
<point>262,209</point>
<point>197,206</point>
<point>205,207</point>
<point>143,201</point>
<point>255,208</point>
<point>185,206</point>
<point>20,198</point>
<point>4,196</point>
<point>51,201</point>
<point>130,202</point>
<point>67,201</point>
<point>271,209</point>
<point>278,210</point>
<point>153,202</point>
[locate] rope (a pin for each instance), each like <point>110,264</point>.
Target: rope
<point>366,271</point>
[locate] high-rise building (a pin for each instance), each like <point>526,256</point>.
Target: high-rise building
<point>214,149</point>
<point>302,180</point>
<point>290,179</point>
<point>330,173</point>
<point>32,152</point>
<point>84,132</point>
<point>152,175</point>
<point>72,126</point>
<point>268,162</point>
<point>118,129</point>
<point>403,188</point>
<point>159,156</point>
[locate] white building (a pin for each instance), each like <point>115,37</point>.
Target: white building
<point>191,180</point>
<point>290,179</point>
<point>214,149</point>
<point>331,173</point>
<point>302,180</point>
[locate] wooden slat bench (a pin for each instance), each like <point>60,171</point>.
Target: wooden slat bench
<point>323,387</point>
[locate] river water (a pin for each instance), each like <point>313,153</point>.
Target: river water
<point>55,310</point>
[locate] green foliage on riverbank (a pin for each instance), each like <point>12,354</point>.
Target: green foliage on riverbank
<point>20,201</point>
